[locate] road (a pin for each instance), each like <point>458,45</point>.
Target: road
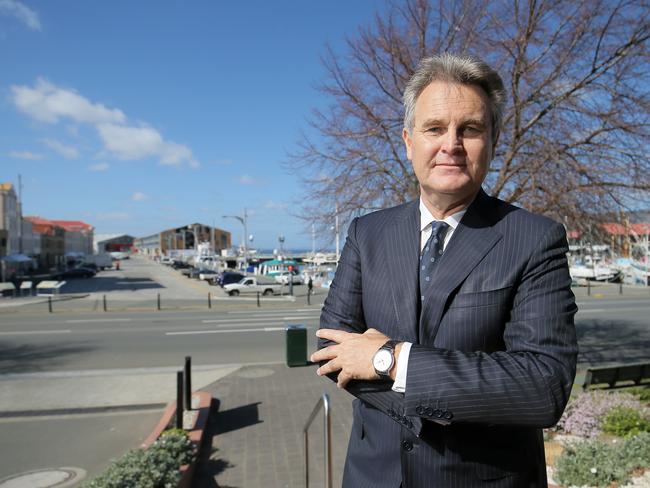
<point>140,340</point>
<point>78,387</point>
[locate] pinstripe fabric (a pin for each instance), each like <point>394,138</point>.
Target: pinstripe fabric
<point>493,355</point>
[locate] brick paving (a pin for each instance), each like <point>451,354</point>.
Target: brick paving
<point>256,432</point>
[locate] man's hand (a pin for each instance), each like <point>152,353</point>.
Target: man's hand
<point>351,355</point>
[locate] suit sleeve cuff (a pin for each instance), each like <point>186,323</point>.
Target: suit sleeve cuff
<point>402,366</point>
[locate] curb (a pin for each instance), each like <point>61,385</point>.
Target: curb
<point>195,433</point>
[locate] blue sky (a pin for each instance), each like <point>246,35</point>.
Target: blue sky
<point>137,116</point>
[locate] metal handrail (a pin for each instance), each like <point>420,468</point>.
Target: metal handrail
<point>324,402</point>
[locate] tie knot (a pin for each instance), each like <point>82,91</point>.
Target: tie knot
<point>438,227</point>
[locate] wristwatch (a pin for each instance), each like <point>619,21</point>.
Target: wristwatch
<point>384,359</point>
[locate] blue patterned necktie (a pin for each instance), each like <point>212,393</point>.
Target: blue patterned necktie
<point>431,253</point>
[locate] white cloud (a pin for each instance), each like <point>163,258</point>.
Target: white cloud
<point>25,155</point>
<point>247,180</point>
<point>23,13</point>
<point>99,167</point>
<point>275,205</point>
<point>139,197</point>
<point>67,152</point>
<point>47,102</point>
<point>130,143</point>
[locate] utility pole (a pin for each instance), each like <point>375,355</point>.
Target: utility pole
<point>212,248</point>
<point>20,214</point>
<point>244,221</point>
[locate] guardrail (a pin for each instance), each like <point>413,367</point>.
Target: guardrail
<point>323,402</point>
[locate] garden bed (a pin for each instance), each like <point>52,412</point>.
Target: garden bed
<point>602,440</point>
<point>167,457</point>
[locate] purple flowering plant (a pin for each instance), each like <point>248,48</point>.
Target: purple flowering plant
<point>585,413</point>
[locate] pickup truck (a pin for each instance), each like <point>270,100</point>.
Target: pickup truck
<point>251,284</point>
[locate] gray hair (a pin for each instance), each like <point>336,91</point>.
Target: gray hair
<point>465,70</point>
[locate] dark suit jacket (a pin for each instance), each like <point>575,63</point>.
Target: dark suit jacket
<point>493,355</point>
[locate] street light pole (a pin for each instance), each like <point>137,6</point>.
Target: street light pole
<point>244,221</point>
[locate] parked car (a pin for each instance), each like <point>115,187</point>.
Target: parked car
<point>228,277</point>
<point>73,273</point>
<point>207,274</point>
<point>181,265</point>
<point>195,272</point>
<point>283,278</point>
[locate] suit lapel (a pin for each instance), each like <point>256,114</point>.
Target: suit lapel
<point>471,241</point>
<point>402,257</point>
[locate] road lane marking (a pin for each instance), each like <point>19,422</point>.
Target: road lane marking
<point>612,310</point>
<point>253,320</point>
<point>280,311</point>
<point>35,332</point>
<point>88,321</point>
<point>225,331</point>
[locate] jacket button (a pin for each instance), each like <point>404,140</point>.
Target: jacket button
<point>438,413</point>
<point>429,411</point>
<point>448,415</point>
<point>420,410</point>
<point>407,446</point>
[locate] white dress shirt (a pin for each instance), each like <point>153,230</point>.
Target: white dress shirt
<point>426,219</point>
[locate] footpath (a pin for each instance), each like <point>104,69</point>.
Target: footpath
<point>254,438</point>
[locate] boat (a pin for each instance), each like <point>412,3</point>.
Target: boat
<point>595,269</point>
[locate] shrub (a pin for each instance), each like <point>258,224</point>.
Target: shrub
<point>625,422</point>
<point>585,413</point>
<point>641,392</point>
<point>156,467</point>
<point>596,463</point>
<point>637,451</point>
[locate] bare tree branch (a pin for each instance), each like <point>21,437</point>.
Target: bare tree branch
<point>575,139</point>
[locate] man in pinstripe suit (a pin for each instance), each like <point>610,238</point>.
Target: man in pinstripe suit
<point>450,318</point>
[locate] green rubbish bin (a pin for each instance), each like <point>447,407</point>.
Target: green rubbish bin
<point>296,345</point>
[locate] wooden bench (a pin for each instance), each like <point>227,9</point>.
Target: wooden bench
<point>617,373</point>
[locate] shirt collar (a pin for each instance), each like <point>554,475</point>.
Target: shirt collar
<point>426,218</point>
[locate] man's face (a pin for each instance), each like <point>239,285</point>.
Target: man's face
<point>450,144</point>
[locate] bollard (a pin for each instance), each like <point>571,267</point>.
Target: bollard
<point>296,346</point>
<point>620,288</point>
<point>49,303</point>
<point>158,301</point>
<point>179,400</point>
<point>104,303</point>
<point>209,300</point>
<point>588,288</point>
<point>308,297</point>
<point>188,382</point>
<point>258,298</point>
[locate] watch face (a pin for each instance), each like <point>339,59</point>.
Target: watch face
<point>383,360</point>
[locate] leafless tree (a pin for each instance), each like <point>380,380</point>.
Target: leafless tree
<point>576,132</point>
